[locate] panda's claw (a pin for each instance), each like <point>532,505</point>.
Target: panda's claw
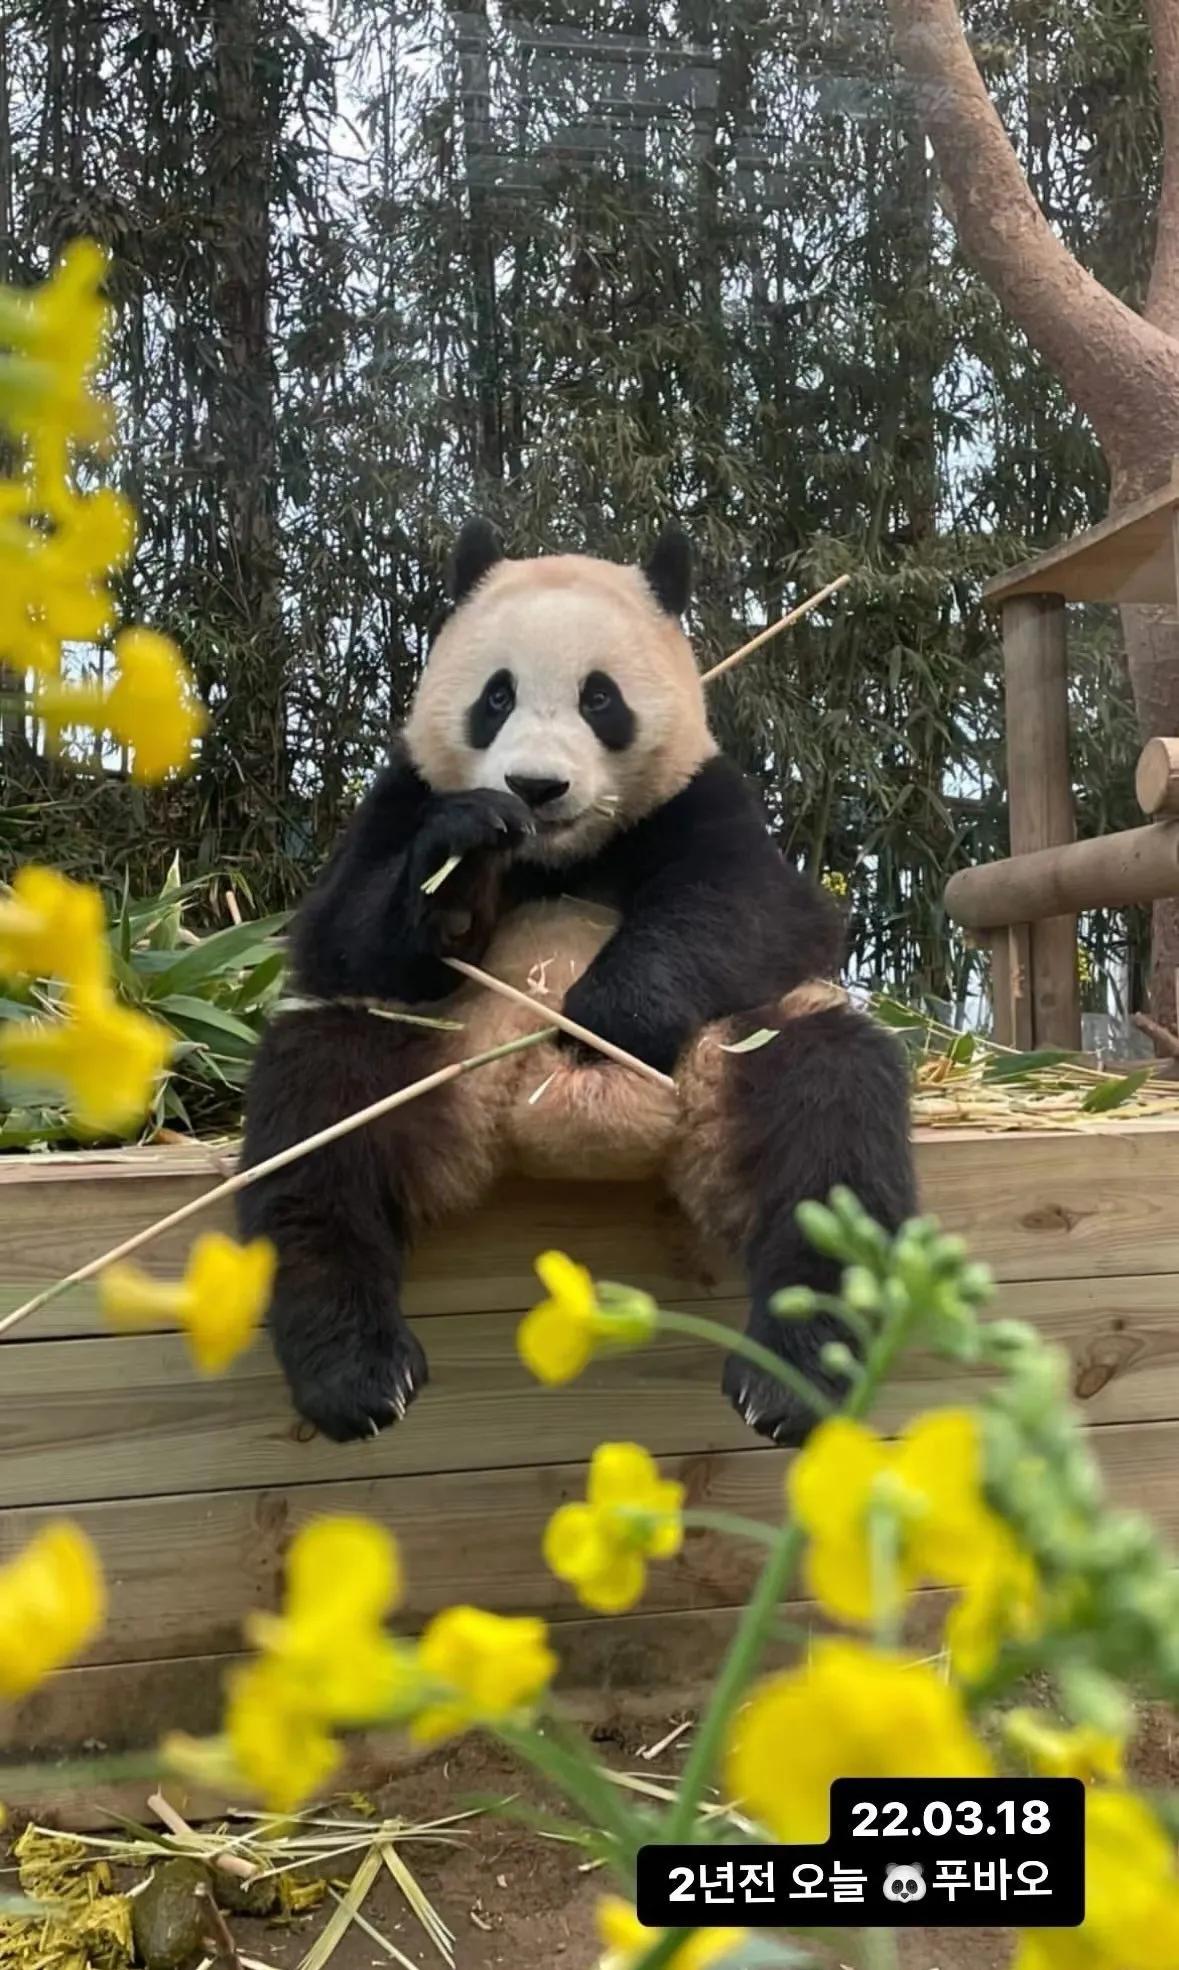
<point>359,1392</point>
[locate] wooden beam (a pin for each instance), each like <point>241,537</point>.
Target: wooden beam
<point>1040,798</point>
<point>1113,872</point>
<point>1156,780</point>
<point>1126,558</point>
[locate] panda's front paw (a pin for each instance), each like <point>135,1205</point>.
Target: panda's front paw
<point>479,821</point>
<point>363,1390</point>
<point>614,1016</point>
<point>773,1408</point>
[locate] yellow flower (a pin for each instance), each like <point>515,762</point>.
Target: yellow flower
<point>626,1941</point>
<point>929,1482</point>
<point>219,1302</point>
<point>279,1747</point>
<point>52,1602</point>
<point>1131,1896</point>
<point>104,1057</point>
<point>846,1711</point>
<point>631,1515</point>
<point>835,882</point>
<point>343,1579</point>
<point>59,328</point>
<point>1084,1752</point>
<point>485,1667</point>
<point>560,1336</point>
<point>152,706</point>
<point>53,928</point>
<point>1001,1601</point>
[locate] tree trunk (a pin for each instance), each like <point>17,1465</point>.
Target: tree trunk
<point>242,426</point>
<point>1122,369</point>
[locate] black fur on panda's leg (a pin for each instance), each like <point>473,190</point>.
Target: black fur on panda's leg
<point>341,1217</point>
<point>824,1104</point>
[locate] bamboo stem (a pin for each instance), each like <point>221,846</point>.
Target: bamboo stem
<point>242,1178</point>
<point>566,1025</point>
<point>775,628</point>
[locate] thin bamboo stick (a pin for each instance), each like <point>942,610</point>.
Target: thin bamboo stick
<point>775,628</point>
<point>582,1033</point>
<point>243,1178</point>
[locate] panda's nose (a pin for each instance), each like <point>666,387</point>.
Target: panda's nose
<point>537,793</point>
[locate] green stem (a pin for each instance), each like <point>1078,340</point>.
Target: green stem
<point>664,1951</point>
<point>880,1949</point>
<point>734,1527</point>
<point>758,1617</point>
<point>763,1358</point>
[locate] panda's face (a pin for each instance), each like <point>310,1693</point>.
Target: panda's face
<point>565,682</point>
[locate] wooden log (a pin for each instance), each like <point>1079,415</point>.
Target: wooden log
<point>1040,797</point>
<point>1156,781</point>
<point>1114,872</point>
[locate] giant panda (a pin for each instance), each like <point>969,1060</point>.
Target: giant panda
<point>613,863</point>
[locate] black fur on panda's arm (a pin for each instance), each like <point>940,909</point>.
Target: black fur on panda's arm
<point>368,930</point>
<point>714,920</point>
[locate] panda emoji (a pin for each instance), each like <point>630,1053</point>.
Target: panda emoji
<point>904,1882</point>
<point>611,863</point>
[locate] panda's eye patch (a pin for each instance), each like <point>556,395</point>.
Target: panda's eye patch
<point>606,711</point>
<point>491,709</point>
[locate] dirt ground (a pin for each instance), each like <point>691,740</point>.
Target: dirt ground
<point>518,1901</point>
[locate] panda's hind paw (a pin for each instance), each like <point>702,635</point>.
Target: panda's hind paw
<point>769,1407</point>
<point>360,1396</point>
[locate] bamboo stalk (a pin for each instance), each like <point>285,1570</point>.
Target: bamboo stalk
<point>775,628</point>
<point>567,1025</point>
<point>241,1179</point>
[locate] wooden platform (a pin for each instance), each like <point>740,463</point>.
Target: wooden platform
<point>192,1488</point>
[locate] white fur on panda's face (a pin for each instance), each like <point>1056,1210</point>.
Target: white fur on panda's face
<point>562,680</point>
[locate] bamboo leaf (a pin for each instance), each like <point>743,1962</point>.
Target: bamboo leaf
<point>754,1042</point>
<point>962,1051</point>
<point>1111,1094</point>
<point>1021,1066</point>
<point>224,950</point>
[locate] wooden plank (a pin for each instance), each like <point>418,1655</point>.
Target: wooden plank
<point>184,1571</point>
<point>1040,796</point>
<point>129,1417</point>
<point>1104,1202</point>
<point>1127,558</point>
<point>1137,866</point>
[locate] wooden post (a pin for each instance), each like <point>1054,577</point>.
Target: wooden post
<point>1156,781</point>
<point>1011,1005</point>
<point>1040,795</point>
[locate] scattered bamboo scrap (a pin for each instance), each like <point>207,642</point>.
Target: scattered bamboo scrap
<point>965,1081</point>
<point>83,1923</point>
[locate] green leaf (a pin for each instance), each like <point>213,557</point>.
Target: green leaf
<point>24,1905</point>
<point>1021,1066</point>
<point>188,1014</point>
<point>237,948</point>
<point>1111,1094</point>
<point>962,1051</point>
<point>260,980</point>
<point>890,1012</point>
<point>165,932</point>
<point>761,1038</point>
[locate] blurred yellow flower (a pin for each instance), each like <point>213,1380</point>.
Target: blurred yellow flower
<point>343,1579</point>
<point>219,1302</point>
<point>560,1336</point>
<point>1083,1752</point>
<point>279,1746</point>
<point>152,705</point>
<point>53,928</point>
<point>105,1058</point>
<point>630,1515</point>
<point>52,1602</point>
<point>848,1710</point>
<point>1001,1601</point>
<point>486,1669</point>
<point>929,1483</point>
<point>1131,1896</point>
<point>58,329</point>
<point>627,1943</point>
<point>835,882</point>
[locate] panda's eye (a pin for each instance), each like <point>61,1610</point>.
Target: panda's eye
<point>500,695</point>
<point>597,694</point>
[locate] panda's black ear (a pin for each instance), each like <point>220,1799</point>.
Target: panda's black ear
<point>669,570</point>
<point>476,551</point>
